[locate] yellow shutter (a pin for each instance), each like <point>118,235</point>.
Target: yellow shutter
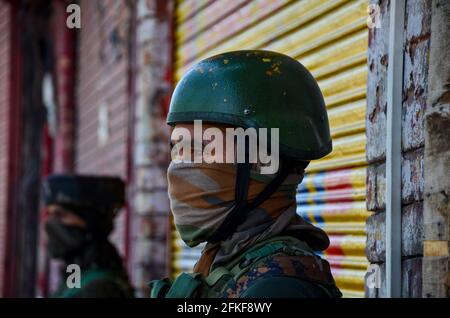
<point>330,38</point>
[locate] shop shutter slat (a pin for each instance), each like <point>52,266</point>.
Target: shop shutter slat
<point>209,15</point>
<point>187,8</point>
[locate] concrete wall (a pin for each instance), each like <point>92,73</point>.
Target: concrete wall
<point>414,104</point>
<point>437,158</point>
<point>150,231</point>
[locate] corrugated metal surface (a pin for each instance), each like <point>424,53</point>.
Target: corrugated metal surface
<point>330,39</point>
<point>102,84</point>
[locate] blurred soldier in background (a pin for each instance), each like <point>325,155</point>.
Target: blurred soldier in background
<point>81,210</point>
<point>257,244</point>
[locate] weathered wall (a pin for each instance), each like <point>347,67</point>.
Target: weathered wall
<point>436,261</point>
<point>102,94</point>
<point>415,82</point>
<point>123,71</point>
<point>151,213</point>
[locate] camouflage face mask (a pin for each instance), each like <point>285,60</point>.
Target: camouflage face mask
<point>201,196</point>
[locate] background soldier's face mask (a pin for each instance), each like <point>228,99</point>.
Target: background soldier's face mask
<point>202,195</point>
<point>64,241</point>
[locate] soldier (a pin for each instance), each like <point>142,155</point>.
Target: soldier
<point>257,245</point>
<point>80,217</point>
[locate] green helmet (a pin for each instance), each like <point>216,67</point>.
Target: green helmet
<point>259,89</point>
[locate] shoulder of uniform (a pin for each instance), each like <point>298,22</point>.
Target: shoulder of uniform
<point>283,271</point>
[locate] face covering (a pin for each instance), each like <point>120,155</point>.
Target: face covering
<point>202,195</point>
<point>65,240</point>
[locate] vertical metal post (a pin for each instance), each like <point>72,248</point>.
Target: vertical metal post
<point>393,149</point>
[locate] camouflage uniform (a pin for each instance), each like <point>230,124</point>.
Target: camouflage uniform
<point>283,262</point>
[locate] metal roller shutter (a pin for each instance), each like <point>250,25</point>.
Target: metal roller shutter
<point>330,39</point>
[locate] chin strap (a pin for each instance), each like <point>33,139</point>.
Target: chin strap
<point>239,212</point>
<point>243,207</point>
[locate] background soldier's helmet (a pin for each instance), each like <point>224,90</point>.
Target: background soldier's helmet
<point>95,199</point>
<point>259,89</point>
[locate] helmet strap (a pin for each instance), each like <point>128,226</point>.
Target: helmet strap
<point>242,207</point>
